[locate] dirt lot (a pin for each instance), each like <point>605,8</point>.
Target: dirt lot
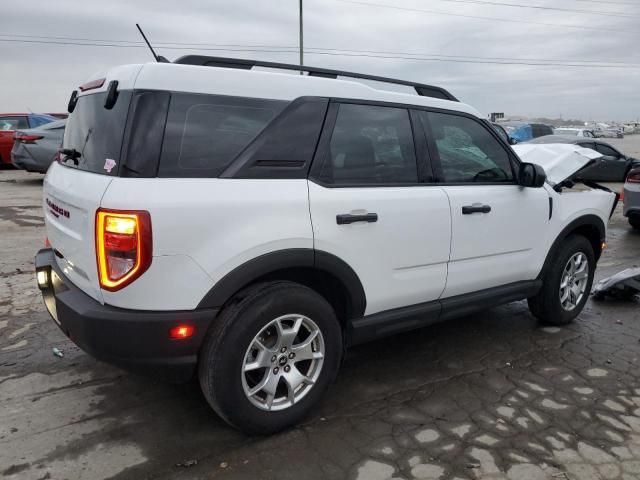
<point>493,395</point>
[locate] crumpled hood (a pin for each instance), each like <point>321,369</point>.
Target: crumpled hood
<point>559,160</point>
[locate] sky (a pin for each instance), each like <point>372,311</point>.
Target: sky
<point>465,46</point>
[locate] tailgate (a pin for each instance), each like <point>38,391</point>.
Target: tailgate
<point>70,200</point>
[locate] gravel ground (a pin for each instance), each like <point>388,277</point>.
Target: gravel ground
<point>489,396</point>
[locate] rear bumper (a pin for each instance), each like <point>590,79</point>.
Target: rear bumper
<point>22,159</point>
<point>136,340</point>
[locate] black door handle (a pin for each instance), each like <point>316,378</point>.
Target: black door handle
<point>469,209</point>
<point>345,218</point>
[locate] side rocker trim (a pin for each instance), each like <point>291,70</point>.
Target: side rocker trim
<point>271,262</point>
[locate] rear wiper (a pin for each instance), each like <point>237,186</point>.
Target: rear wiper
<point>70,154</point>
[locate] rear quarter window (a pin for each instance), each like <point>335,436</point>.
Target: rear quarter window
<point>205,133</point>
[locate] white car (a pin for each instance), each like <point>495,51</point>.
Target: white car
<point>250,225</point>
<point>574,132</point>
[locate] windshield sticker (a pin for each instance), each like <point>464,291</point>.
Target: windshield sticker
<point>109,163</point>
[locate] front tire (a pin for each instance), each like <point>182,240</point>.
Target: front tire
<point>634,222</point>
<point>566,283</point>
<point>270,356</point>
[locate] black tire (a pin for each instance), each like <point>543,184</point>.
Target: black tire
<point>634,222</point>
<point>222,356</point>
<point>546,306</point>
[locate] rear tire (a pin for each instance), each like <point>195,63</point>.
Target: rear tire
<point>634,222</point>
<point>566,284</point>
<point>248,368</point>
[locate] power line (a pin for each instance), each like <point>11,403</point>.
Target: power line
<point>329,53</point>
<point>540,7</point>
<point>293,48</point>
<point>492,19</point>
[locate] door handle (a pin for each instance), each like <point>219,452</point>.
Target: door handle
<point>345,218</point>
<point>475,208</point>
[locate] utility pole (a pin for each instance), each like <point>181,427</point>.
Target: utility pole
<point>301,39</point>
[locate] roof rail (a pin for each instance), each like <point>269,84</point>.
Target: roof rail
<point>225,62</point>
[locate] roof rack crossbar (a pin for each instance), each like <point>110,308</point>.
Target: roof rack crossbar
<point>226,62</point>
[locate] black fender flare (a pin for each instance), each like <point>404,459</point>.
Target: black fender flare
<point>271,262</point>
<point>589,220</point>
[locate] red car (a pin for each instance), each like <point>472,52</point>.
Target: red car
<point>10,122</point>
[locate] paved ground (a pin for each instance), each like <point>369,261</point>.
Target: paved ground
<point>490,396</point>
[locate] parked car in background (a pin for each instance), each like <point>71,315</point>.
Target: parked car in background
<point>523,131</point>
<point>34,149</point>
<point>574,132</point>
<point>10,122</point>
<point>631,193</point>
<point>609,133</point>
<point>61,116</point>
<point>613,166</point>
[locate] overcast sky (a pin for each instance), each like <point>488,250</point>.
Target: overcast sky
<point>40,76</point>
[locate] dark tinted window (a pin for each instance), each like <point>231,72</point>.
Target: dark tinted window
<point>37,120</point>
<point>13,123</point>
<point>96,133</point>
<point>204,133</point>
<point>467,150</point>
<point>539,130</point>
<point>606,150</point>
<point>371,144</point>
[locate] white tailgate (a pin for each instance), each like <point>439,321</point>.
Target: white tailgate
<point>70,200</point>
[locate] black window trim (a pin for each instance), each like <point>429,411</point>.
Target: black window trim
<point>428,159</point>
<point>322,155</point>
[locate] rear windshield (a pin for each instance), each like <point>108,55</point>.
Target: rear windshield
<point>94,134</point>
<point>204,133</point>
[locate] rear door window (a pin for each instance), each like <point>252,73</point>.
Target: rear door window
<point>371,145</point>
<point>607,150</point>
<point>13,123</point>
<point>205,133</point>
<point>94,134</point>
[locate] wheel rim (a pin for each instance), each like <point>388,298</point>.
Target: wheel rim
<point>574,281</point>
<point>283,362</point>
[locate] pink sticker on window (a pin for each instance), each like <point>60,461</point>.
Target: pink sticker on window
<point>109,163</point>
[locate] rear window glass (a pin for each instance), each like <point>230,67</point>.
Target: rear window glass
<point>13,123</point>
<point>204,133</point>
<point>95,134</point>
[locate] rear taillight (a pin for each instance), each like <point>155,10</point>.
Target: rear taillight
<point>24,138</point>
<point>633,177</point>
<point>123,246</point>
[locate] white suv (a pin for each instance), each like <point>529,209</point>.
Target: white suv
<point>250,225</point>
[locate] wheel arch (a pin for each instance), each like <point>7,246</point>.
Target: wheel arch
<point>589,226</point>
<point>323,272</point>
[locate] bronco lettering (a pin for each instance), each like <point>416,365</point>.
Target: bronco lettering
<point>56,210</point>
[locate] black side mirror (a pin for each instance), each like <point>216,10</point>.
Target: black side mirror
<point>512,141</point>
<point>112,95</point>
<point>531,175</point>
<point>72,101</point>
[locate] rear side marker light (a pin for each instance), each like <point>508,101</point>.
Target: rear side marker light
<point>123,246</point>
<point>181,332</point>
<point>633,177</point>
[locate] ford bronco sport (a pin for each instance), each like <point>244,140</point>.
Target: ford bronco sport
<point>215,216</point>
